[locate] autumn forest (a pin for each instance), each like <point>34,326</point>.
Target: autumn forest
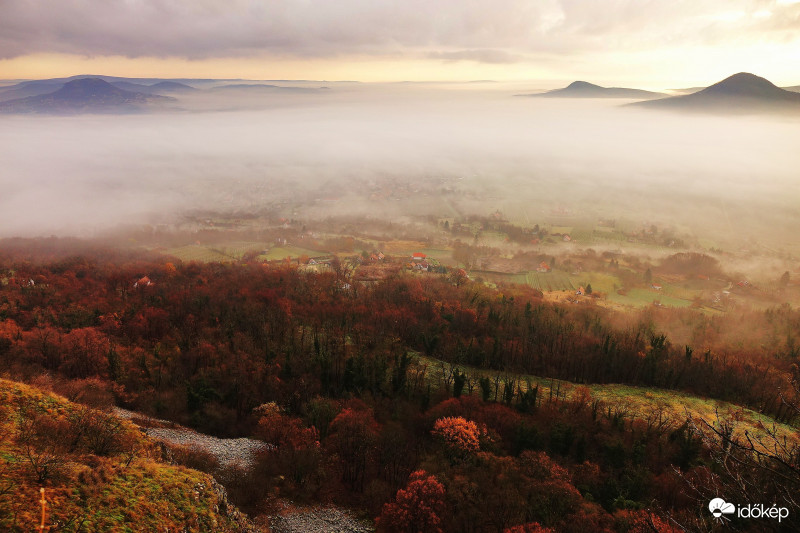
<point>413,399</point>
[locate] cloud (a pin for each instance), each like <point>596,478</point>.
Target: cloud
<point>478,30</point>
<point>479,56</point>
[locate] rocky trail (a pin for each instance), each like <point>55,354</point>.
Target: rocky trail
<point>242,452</point>
<point>229,452</point>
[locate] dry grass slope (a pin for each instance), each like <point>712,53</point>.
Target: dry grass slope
<point>630,402</point>
<point>100,473</point>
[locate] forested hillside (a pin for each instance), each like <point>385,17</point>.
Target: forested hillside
<point>360,389</point>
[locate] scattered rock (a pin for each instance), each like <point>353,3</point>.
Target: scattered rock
<point>319,520</point>
<point>229,452</point>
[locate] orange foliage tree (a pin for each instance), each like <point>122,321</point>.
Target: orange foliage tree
<point>418,508</point>
<point>460,436</point>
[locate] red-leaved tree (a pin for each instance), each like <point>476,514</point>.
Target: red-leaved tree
<point>418,508</point>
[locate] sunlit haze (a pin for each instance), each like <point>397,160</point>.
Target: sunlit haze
<point>654,44</point>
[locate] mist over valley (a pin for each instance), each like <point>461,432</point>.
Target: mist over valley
<point>460,148</point>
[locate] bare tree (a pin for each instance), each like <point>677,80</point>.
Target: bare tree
<point>749,468</point>
<point>43,439</point>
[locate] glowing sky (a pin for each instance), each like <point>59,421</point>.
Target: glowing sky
<point>647,43</point>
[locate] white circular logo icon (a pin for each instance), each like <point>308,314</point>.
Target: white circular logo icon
<point>719,507</point>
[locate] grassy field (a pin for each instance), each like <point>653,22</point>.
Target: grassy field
<point>234,251</point>
<point>582,235</point>
<point>561,229</point>
<point>397,246</point>
<point>645,297</point>
<point>437,253</point>
<point>560,284</point>
<point>638,402</point>
<point>199,253</point>
<point>237,249</point>
<point>282,252</point>
<point>599,281</point>
<point>549,281</point>
<point>669,295</point>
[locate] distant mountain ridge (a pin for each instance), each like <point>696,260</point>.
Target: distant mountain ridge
<point>256,88</point>
<point>740,93</point>
<point>85,95</point>
<point>26,88</point>
<point>584,89</point>
<point>162,87</point>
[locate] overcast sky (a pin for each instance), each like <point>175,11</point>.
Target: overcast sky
<point>648,43</point>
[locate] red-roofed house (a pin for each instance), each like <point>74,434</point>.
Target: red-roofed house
<point>143,282</point>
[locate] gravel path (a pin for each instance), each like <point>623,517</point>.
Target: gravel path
<point>229,452</point>
<point>318,520</point>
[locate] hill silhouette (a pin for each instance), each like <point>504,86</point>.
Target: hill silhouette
<point>162,87</point>
<point>171,87</point>
<point>85,95</point>
<point>584,89</point>
<point>740,93</point>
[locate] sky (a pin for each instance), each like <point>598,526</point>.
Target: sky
<point>646,43</point>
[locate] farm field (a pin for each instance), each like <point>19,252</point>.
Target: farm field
<point>582,235</point>
<point>234,251</point>
<point>196,252</point>
<point>669,295</point>
<point>399,246</point>
<point>559,284</point>
<point>549,281</point>
<point>599,281</point>
<point>438,254</point>
<point>282,252</point>
<point>561,229</point>
<point>642,297</point>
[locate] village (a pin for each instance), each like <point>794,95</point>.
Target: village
<point>607,262</point>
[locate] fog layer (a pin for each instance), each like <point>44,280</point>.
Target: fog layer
<point>469,148</point>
